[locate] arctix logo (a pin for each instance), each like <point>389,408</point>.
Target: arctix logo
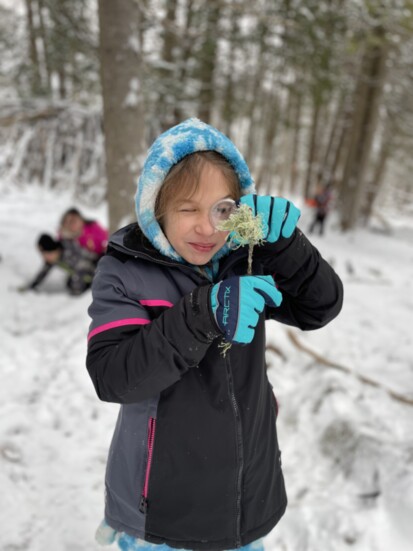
<point>225,315</point>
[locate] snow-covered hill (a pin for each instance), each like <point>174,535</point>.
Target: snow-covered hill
<point>347,445</point>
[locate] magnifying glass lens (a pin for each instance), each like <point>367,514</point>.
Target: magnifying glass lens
<point>221,211</point>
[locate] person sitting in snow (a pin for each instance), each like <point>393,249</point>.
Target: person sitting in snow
<point>194,461</point>
<point>69,256</point>
<point>89,234</point>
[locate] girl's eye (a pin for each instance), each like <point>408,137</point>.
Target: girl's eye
<point>186,210</point>
<point>224,212</point>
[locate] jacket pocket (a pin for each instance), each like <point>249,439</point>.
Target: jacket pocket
<point>143,506</point>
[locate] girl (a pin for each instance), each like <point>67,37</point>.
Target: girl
<point>194,461</point>
<point>89,234</point>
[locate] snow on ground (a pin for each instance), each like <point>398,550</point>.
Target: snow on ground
<point>54,433</point>
<point>347,446</point>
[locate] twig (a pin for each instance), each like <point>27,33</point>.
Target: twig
<point>276,350</point>
<point>366,380</point>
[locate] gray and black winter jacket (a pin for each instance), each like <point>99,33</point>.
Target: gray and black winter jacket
<point>194,461</point>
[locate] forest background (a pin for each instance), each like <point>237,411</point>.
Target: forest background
<point>312,92</point>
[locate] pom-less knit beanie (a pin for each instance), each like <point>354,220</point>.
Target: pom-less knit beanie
<point>168,149</point>
<point>47,243</point>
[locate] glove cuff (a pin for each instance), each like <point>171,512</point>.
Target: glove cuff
<point>279,246</point>
<point>211,305</point>
<point>200,302</point>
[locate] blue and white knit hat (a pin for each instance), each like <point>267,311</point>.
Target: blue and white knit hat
<point>168,149</point>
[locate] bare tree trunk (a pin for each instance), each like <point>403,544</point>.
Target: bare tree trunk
<point>228,108</point>
<point>368,93</point>
<point>122,105</point>
<point>43,38</point>
<point>312,152</point>
<point>377,179</point>
<point>35,78</point>
<point>256,95</point>
<point>61,73</point>
<point>143,23</point>
<point>184,55</point>
<point>167,97</point>
<point>208,55</point>
<point>272,113</point>
<point>325,175</point>
<point>271,117</point>
<point>169,33</point>
<point>340,148</point>
<point>296,126</point>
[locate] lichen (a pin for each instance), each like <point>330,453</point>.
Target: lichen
<point>225,347</point>
<point>245,229</point>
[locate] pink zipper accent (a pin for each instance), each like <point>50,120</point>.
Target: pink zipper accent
<point>155,303</point>
<point>151,441</point>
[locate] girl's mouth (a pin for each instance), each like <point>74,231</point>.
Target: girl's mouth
<point>202,247</point>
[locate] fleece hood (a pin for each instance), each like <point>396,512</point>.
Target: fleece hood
<point>168,149</point>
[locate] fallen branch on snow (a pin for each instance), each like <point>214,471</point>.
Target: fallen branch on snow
<point>366,380</point>
<point>276,350</point>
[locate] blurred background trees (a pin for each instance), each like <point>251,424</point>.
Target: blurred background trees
<point>312,92</point>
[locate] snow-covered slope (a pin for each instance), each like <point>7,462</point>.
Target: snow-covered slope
<point>347,446</point>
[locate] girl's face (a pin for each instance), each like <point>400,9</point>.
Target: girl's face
<point>187,225</point>
<point>51,257</point>
<point>72,226</point>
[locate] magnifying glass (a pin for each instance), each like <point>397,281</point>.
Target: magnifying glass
<point>221,211</point>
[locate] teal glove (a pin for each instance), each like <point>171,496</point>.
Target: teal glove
<point>237,303</point>
<point>279,216</point>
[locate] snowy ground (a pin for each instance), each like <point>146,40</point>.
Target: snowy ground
<point>347,446</point>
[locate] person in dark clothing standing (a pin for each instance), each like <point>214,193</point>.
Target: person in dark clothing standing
<point>194,461</point>
<point>322,204</point>
<point>67,255</point>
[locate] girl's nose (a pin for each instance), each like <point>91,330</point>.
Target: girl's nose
<point>203,225</point>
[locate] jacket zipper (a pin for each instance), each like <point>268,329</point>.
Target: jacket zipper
<point>240,451</point>
<point>143,506</point>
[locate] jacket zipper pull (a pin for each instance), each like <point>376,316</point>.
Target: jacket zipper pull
<point>143,505</point>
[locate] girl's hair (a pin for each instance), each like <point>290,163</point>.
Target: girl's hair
<point>183,179</point>
<point>74,212</point>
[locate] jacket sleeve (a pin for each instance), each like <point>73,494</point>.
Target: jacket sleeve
<point>40,276</point>
<point>133,357</point>
<point>312,291</point>
<point>99,237</point>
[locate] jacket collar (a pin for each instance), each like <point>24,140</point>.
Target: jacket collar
<point>131,241</point>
